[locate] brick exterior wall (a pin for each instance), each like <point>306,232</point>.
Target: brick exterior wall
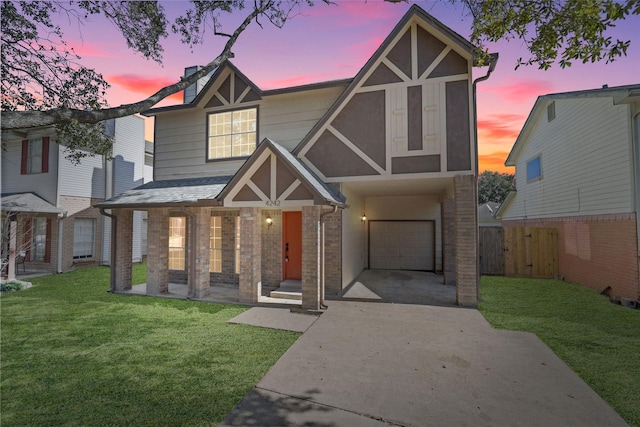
<point>251,254</point>
<point>466,240</point>
<point>596,251</point>
<point>333,253</point>
<point>311,257</point>
<point>447,209</point>
<point>157,251</point>
<point>124,240</point>
<point>199,227</point>
<point>80,207</point>
<point>272,250</point>
<point>228,276</point>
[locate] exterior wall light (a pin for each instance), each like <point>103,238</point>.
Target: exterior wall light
<point>364,218</point>
<point>269,220</point>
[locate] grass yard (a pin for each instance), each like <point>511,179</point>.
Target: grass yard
<point>74,354</point>
<point>600,341</point>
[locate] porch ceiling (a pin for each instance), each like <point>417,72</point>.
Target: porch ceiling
<point>402,187</point>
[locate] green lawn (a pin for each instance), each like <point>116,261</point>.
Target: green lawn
<point>599,340</point>
<point>74,354</point>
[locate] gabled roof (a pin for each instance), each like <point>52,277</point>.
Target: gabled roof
<point>620,94</point>
<point>174,192</point>
<point>28,202</point>
<point>414,12</point>
<point>306,176</point>
<point>261,93</point>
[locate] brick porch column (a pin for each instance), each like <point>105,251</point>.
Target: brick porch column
<point>447,209</point>
<point>466,232</point>
<point>311,257</point>
<point>250,255</point>
<point>198,270</point>
<point>157,251</point>
<point>124,247</point>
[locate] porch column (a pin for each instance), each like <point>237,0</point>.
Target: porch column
<point>124,243</point>
<point>448,210</point>
<point>311,257</point>
<point>250,255</point>
<point>13,232</point>
<point>466,240</point>
<point>157,251</point>
<point>198,270</point>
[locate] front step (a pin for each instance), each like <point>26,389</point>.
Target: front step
<point>289,289</point>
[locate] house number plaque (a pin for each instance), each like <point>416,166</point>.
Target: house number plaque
<point>272,203</point>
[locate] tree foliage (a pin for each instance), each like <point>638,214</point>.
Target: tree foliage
<point>44,82</point>
<point>494,186</point>
<point>554,31</point>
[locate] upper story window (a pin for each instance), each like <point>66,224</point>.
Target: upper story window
<point>232,133</point>
<point>35,156</point>
<point>534,169</point>
<point>551,111</point>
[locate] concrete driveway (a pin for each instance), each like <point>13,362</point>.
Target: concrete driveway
<point>371,364</point>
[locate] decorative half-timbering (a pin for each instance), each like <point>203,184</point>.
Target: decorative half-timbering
<point>407,112</point>
<point>232,88</point>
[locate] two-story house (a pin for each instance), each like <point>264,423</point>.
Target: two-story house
<point>577,161</point>
<point>52,199</point>
<point>316,183</point>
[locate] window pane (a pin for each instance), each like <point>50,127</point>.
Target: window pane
<point>237,245</point>
<point>232,134</point>
<point>34,163</point>
<point>177,240</point>
<point>83,238</point>
<point>39,242</point>
<point>215,245</point>
<point>534,169</point>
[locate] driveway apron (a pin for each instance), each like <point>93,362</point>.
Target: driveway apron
<point>370,364</point>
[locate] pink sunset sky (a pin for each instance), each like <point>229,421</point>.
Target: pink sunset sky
<point>328,42</point>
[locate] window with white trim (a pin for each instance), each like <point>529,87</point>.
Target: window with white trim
<point>215,245</point>
<point>177,242</point>
<point>84,238</point>
<point>534,169</point>
<point>238,245</point>
<point>232,133</point>
<point>39,239</point>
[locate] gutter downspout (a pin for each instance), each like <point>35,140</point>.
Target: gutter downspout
<point>112,262</point>
<point>61,219</point>
<point>493,60</point>
<point>322,257</point>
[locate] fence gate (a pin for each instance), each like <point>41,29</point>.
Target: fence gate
<point>491,251</point>
<point>530,252</point>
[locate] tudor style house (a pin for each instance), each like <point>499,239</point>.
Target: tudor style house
<point>577,162</point>
<point>315,183</point>
<point>51,199</point>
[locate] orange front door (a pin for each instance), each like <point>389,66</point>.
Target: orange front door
<point>292,245</point>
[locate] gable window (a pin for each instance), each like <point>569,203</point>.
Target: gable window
<point>232,133</point>
<point>35,156</point>
<point>551,111</point>
<point>534,169</point>
<point>84,235</point>
<point>177,242</point>
<point>215,245</point>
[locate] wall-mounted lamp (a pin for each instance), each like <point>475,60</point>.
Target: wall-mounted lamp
<point>364,218</point>
<point>269,220</point>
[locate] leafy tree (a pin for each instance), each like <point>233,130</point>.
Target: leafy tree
<point>553,31</point>
<point>494,186</point>
<point>44,82</point>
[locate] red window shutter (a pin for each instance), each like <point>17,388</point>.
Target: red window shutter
<point>45,154</point>
<point>25,155</point>
<point>27,238</point>
<point>47,244</point>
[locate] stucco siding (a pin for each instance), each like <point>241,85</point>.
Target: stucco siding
<point>586,162</point>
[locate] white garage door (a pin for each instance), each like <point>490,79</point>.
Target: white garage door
<point>402,245</point>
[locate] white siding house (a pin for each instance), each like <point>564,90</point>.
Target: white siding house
<point>577,172</point>
<point>72,231</point>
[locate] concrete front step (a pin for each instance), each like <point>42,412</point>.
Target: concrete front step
<point>286,295</point>
<point>289,289</point>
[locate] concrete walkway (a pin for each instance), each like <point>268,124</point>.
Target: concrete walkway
<point>372,364</point>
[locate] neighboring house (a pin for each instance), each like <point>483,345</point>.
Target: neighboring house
<point>487,215</point>
<point>52,198</point>
<point>577,174</point>
<point>316,183</point>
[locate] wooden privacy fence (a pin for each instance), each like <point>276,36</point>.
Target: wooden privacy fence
<point>530,252</point>
<point>491,251</point>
